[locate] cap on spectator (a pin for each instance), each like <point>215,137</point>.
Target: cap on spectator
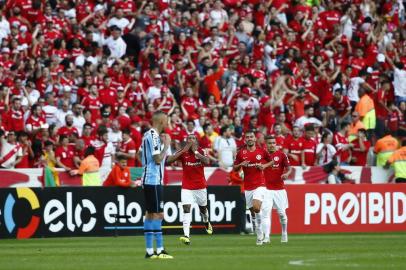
<point>380,58</point>
<point>67,88</point>
<point>15,24</point>
<point>164,90</point>
<point>120,88</point>
<point>97,8</point>
<point>5,50</point>
<point>158,77</point>
<point>23,28</point>
<point>246,91</point>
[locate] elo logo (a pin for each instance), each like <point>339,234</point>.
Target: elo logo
<point>32,226</point>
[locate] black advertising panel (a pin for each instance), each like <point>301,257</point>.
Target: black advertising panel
<point>101,211</point>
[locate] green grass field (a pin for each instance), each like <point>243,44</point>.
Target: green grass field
<point>331,251</point>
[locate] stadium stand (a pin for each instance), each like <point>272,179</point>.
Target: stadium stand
<point>92,72</point>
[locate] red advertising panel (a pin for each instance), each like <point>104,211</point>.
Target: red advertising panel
<point>345,208</point>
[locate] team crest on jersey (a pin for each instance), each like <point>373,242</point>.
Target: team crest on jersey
<point>259,157</point>
<point>276,158</point>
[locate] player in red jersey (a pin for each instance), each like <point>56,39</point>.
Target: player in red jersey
<point>194,187</point>
<point>253,160</point>
<point>276,196</point>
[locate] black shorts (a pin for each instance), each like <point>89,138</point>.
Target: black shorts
<point>153,198</point>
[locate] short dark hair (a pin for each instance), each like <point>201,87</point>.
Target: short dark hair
<point>250,131</point>
<point>309,127</point>
<point>344,124</point>
<point>90,150</point>
<point>121,157</point>
<point>127,131</point>
<point>270,137</point>
<point>223,129</point>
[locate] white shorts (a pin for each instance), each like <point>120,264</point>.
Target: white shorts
<point>198,196</point>
<point>277,199</point>
<point>255,194</point>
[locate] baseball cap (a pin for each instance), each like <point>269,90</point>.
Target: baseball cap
<point>158,76</point>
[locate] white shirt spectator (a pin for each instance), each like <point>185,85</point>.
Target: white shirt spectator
<point>117,47</point>
<point>115,137</point>
<point>50,114</point>
<point>226,149</point>
<point>354,87</point>
<point>4,28</point>
<point>120,23</point>
<point>153,93</point>
<point>78,122</point>
<point>304,120</point>
<point>80,60</point>
<point>249,106</point>
<point>60,115</point>
<point>399,82</point>
<point>9,153</point>
<point>327,152</point>
<point>218,16</point>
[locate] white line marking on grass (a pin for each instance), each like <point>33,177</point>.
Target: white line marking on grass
<point>313,262</point>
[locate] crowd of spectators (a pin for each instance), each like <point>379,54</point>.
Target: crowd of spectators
<point>327,77</point>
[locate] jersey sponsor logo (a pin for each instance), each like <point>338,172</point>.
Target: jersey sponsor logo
<point>276,158</point>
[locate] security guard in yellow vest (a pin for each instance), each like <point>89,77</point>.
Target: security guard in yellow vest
<point>398,162</point>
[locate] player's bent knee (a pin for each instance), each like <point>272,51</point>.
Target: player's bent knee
<point>256,206</point>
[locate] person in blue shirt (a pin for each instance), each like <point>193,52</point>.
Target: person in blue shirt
<point>153,154</point>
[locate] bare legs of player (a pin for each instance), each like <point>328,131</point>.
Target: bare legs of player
<point>257,220</point>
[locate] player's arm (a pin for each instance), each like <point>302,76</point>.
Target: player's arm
<point>178,154</point>
<point>237,167</point>
<point>203,158</point>
<point>287,173</point>
<point>160,156</point>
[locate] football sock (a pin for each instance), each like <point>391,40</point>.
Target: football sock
<point>258,219</point>
<point>149,236</point>
<point>157,228</point>
<point>187,218</point>
<point>266,222</point>
<point>205,215</point>
<point>284,222</point>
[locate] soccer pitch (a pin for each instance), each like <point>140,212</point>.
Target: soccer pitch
<point>330,251</point>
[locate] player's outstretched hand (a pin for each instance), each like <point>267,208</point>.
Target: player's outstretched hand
<point>244,163</point>
<point>284,176</point>
<point>260,167</point>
